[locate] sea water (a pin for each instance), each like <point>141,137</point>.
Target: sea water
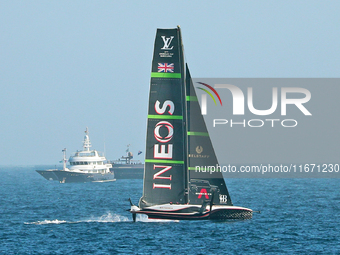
<point>45,217</point>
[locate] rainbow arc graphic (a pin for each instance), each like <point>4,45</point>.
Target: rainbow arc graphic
<point>209,93</point>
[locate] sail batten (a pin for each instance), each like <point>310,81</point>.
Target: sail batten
<point>198,133</point>
<point>174,117</point>
<point>191,98</point>
<point>164,161</point>
<point>166,75</point>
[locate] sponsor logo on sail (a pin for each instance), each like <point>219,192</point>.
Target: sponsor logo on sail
<point>165,150</point>
<point>199,149</point>
<point>204,193</point>
<point>170,128</point>
<point>223,199</point>
<point>166,54</point>
<point>167,42</point>
<point>198,156</point>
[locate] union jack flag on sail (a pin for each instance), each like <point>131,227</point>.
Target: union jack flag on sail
<point>165,67</point>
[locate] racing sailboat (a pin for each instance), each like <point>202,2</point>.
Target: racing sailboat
<point>177,141</point>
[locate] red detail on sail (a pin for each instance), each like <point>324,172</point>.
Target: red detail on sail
<point>165,169</point>
<point>203,192</point>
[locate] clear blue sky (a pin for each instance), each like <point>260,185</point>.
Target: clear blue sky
<point>66,65</point>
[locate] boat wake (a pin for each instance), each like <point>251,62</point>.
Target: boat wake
<point>47,222</point>
<point>144,218</point>
<point>108,218</point>
<point>104,218</point>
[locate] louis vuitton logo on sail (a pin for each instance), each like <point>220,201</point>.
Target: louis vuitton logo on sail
<point>166,47</point>
<point>165,150</point>
<point>167,41</point>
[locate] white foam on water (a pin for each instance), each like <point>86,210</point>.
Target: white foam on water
<point>108,217</point>
<point>44,222</point>
<point>144,218</point>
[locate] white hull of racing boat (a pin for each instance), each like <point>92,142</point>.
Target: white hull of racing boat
<point>194,212</point>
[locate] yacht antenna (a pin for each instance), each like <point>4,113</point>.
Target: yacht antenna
<point>64,158</point>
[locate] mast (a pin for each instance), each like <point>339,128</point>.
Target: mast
<point>64,158</point>
<point>129,155</point>
<point>87,143</point>
<point>185,117</point>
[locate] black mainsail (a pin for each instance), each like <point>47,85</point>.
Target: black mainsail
<point>177,142</point>
<point>164,172</point>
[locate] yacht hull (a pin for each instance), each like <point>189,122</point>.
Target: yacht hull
<point>48,174</point>
<point>128,171</point>
<point>192,212</point>
<point>69,176</point>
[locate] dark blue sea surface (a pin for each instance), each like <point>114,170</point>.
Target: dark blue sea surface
<point>45,217</point>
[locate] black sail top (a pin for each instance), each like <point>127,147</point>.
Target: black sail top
<point>164,173</point>
<point>177,139</point>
